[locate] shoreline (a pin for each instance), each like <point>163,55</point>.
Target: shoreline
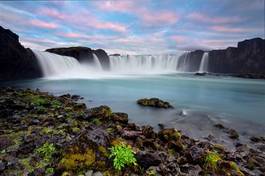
<point>33,118</point>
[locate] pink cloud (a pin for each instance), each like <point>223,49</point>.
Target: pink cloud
<point>178,38</point>
<point>52,13</point>
<point>120,6</point>
<point>71,35</point>
<point>89,21</point>
<point>148,17</point>
<point>43,24</point>
<point>209,19</point>
<point>228,29</point>
<point>164,17</point>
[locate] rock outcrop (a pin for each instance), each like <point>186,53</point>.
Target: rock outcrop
<point>190,62</point>
<point>83,54</point>
<point>16,62</point>
<point>154,102</point>
<point>247,57</point>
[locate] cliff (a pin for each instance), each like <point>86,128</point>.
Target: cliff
<point>83,54</point>
<point>16,62</point>
<point>247,57</point>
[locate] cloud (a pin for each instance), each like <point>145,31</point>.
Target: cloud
<point>211,19</point>
<point>117,5</point>
<point>226,29</point>
<point>43,24</point>
<point>52,13</point>
<point>83,18</point>
<point>138,8</point>
<point>178,38</point>
<point>158,18</point>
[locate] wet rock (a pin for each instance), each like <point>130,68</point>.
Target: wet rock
<point>169,134</point>
<point>131,134</point>
<point>147,159</point>
<point>75,97</point>
<point>233,134</point>
<point>196,153</point>
<point>119,117</point>
<point>96,136</point>
<point>256,139</point>
<point>5,142</point>
<point>190,170</point>
<point>2,165</point>
<point>89,173</point>
<point>154,102</point>
<point>148,131</point>
<point>220,126</point>
<point>161,126</point>
<point>97,174</point>
<point>101,112</point>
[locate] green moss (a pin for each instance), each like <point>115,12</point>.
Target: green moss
<point>96,121</point>
<point>47,130</point>
<point>77,159</point>
<point>56,104</point>
<point>26,164</point>
<point>39,101</point>
<point>46,151</point>
<point>49,171</point>
<point>76,130</point>
<point>103,151</point>
<point>235,167</point>
<point>211,160</point>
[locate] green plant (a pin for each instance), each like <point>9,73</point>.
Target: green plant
<point>46,151</point>
<point>122,155</point>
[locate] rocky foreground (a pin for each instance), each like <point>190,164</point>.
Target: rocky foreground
<point>41,134</point>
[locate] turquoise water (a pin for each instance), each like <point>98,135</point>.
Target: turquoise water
<point>215,99</point>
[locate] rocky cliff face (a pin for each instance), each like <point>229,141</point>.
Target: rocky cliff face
<point>16,62</point>
<point>83,54</point>
<point>190,62</point>
<point>247,57</point>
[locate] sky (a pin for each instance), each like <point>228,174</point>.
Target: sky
<point>134,26</point>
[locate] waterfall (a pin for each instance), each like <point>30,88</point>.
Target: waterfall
<point>144,63</point>
<point>53,64</point>
<point>64,67</point>
<point>96,62</point>
<point>204,63</point>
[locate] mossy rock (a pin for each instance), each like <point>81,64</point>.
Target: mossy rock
<point>75,158</point>
<point>169,134</point>
<point>154,102</point>
<point>101,112</point>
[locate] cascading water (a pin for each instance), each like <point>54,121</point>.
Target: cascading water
<point>204,63</point>
<point>96,62</point>
<point>53,64</point>
<point>57,66</point>
<point>144,63</point>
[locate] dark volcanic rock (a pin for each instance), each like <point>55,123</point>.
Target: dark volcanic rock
<point>190,61</point>
<point>154,102</point>
<point>247,57</point>
<point>83,54</point>
<point>103,58</point>
<point>16,62</point>
<point>147,159</point>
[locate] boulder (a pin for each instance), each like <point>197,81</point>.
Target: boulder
<point>147,159</point>
<point>119,117</point>
<point>16,62</point>
<point>154,102</point>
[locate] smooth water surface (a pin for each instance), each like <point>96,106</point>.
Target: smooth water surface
<point>197,100</point>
